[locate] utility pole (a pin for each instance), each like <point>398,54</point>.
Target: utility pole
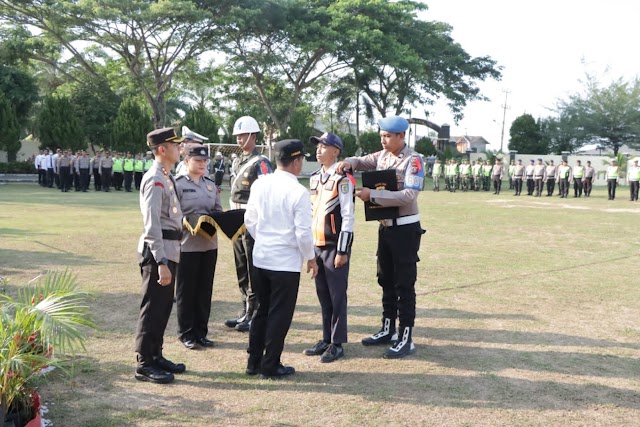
<point>504,117</point>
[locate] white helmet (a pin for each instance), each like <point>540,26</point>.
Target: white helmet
<point>189,134</point>
<point>245,124</point>
<point>234,156</point>
<point>219,154</point>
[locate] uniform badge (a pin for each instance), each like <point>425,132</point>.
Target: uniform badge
<point>245,182</point>
<point>175,210</point>
<point>246,174</point>
<point>209,188</point>
<point>171,187</point>
<point>344,188</point>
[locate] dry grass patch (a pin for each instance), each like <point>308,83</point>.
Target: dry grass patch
<point>527,314</point>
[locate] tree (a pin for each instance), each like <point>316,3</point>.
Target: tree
<point>425,147</point>
<point>350,146</point>
<point>96,106</point>
<point>201,120</point>
<point>525,136</point>
<point>10,134</point>
<point>400,60</point>
<point>608,115</point>
<point>370,142</point>
<point>130,128</point>
<point>301,127</point>
<point>559,134</point>
<point>57,125</point>
<point>155,40</point>
<point>21,90</point>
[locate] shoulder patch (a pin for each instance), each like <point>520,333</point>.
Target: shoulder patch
<point>414,175</point>
<point>158,184</point>
<point>344,188</point>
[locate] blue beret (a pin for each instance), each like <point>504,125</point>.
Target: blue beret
<point>539,160</point>
<point>532,160</point>
<point>394,124</point>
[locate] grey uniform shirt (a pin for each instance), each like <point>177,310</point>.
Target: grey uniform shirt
<point>589,172</point>
<point>83,162</point>
<point>497,170</point>
<point>106,162</point>
<point>160,211</point>
<point>518,171</point>
<point>200,198</point>
<point>539,171</point>
<point>405,198</point>
<point>550,172</point>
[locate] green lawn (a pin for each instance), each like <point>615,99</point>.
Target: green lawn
<point>528,315</point>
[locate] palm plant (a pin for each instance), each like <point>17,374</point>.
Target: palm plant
<point>621,161</point>
<point>51,314</point>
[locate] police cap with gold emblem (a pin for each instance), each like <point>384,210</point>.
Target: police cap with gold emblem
<point>161,136</point>
<point>198,151</point>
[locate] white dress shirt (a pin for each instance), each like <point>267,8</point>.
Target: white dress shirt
<point>278,217</point>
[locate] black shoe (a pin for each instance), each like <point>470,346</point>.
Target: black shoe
<point>386,335</point>
<point>205,342</point>
<point>320,347</point>
<point>232,323</point>
<point>169,366</point>
<point>402,347</point>
<point>244,326</point>
<point>190,344</point>
<point>253,366</point>
<point>153,375</point>
<point>280,371</point>
<point>333,353</point>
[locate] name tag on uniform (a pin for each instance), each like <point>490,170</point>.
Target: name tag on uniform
<point>188,190</point>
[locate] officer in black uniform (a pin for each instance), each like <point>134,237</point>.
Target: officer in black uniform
<point>251,166</point>
<point>159,249</point>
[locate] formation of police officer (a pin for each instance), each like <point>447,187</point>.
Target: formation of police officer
<point>64,169</point>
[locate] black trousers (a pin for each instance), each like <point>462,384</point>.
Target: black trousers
<point>106,178</point>
<point>277,293</point>
<point>551,186</point>
<point>539,184</point>
<point>65,174</point>
<point>243,255</point>
<point>331,287</point>
<point>633,188</point>
<point>50,177</point>
<point>117,180</point>
<point>76,181</point>
<point>97,180</point>
<point>194,286</point>
<point>137,178</point>
<point>42,177</point>
<point>530,186</point>
<point>588,186</point>
<point>128,179</point>
<point>611,188</point>
<point>397,271</point>
<point>218,177</point>
<point>518,185</point>
<point>155,310</point>
<point>577,187</point>
<point>563,186</point>
<point>84,179</point>
<point>497,184</point>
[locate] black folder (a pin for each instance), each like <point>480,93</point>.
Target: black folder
<point>380,180</point>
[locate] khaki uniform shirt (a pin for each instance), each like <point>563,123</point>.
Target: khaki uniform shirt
<point>200,198</point>
<point>539,171</point>
<point>160,211</point>
<point>550,172</point>
<point>589,172</point>
<point>406,165</point>
<point>518,171</point>
<point>497,171</point>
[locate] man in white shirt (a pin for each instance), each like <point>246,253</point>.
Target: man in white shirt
<point>278,217</point>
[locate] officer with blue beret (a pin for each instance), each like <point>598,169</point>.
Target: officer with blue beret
<point>398,238</point>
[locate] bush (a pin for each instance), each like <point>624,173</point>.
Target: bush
<point>17,167</point>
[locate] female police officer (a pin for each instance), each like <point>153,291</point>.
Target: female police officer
<point>198,195</point>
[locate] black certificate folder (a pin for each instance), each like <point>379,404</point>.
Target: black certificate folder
<point>380,180</point>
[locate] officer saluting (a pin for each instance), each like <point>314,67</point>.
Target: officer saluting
<point>398,239</point>
<point>159,249</point>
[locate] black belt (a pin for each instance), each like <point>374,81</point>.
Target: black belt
<point>172,234</point>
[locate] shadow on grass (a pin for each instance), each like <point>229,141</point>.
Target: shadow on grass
<point>520,276</point>
<point>19,232</point>
<point>34,260</point>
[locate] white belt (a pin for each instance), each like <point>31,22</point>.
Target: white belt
<point>403,220</point>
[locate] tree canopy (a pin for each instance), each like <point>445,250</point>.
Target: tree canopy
<point>526,137</point>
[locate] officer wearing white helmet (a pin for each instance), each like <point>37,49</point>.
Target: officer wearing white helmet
<point>218,169</point>
<point>189,137</point>
<point>249,166</point>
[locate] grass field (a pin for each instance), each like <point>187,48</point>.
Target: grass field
<point>528,314</point>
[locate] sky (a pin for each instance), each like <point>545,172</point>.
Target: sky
<point>545,48</point>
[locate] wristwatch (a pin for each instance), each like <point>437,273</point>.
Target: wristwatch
<point>163,261</point>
